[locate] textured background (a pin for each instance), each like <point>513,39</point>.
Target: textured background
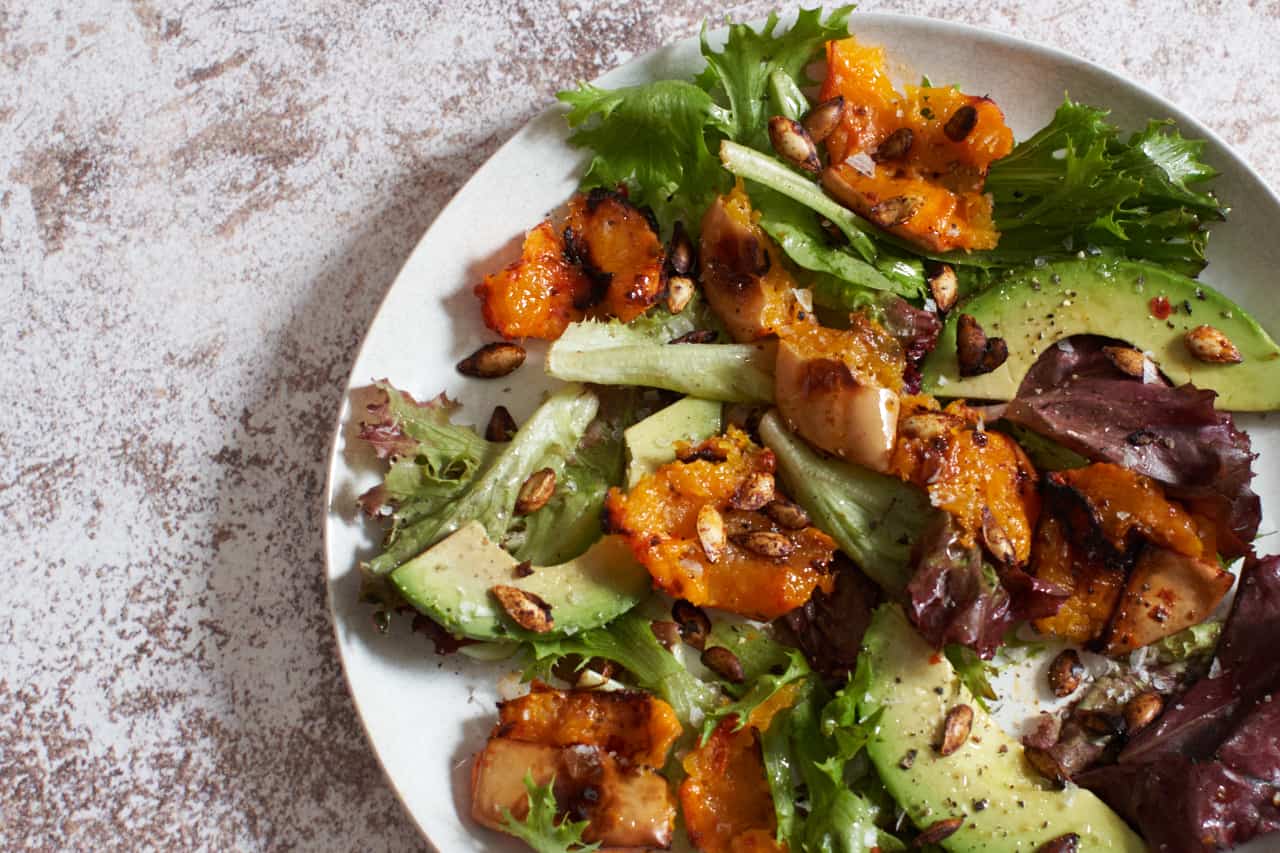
<point>201,204</point>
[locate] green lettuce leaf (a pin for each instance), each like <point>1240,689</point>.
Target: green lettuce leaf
<point>629,641</point>
<point>817,747</point>
<point>740,72</point>
<point>539,828</point>
<point>793,668</point>
<point>974,672</point>
<point>796,229</point>
<point>654,139</point>
<point>547,440</point>
<point>569,524</point>
<point>873,518</point>
<point>1077,186</point>
<point>431,459</point>
<point>1196,641</point>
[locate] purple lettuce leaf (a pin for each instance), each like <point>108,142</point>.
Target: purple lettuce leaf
<point>1076,397</point>
<point>829,628</point>
<point>955,597</point>
<point>1205,775</point>
<point>916,330</point>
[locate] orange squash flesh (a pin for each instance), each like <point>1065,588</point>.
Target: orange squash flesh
<point>943,177</point>
<point>967,470</point>
<point>606,262</point>
<point>872,355</point>
<point>624,806</point>
<point>743,276</point>
<point>725,797</point>
<point>1095,589</point>
<point>634,726</point>
<point>536,296</point>
<point>619,248</point>
<point>1124,503</point>
<point>658,517</point>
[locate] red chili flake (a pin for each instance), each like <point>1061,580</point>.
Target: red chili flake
<point>936,659</point>
<point>1160,308</point>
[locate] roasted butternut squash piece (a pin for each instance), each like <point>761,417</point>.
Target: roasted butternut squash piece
<point>914,163</point>
<point>725,797</point>
<point>743,277</point>
<point>1124,505</point>
<point>538,295</point>
<point>982,479</point>
<point>1095,588</point>
<point>1166,592</point>
<point>839,388</point>
<point>617,245</point>
<point>624,806</point>
<point>686,523</point>
<point>636,727</point>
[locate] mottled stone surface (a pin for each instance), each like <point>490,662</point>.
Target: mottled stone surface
<point>201,204</point>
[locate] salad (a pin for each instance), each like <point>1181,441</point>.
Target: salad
<point>859,400</point>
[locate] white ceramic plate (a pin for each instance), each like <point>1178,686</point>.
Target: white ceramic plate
<point>426,715</point>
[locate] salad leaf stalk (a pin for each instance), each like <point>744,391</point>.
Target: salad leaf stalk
<point>614,354</point>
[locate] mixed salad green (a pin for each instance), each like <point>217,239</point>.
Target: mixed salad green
<point>839,560</point>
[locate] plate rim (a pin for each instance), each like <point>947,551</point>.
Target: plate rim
<point>1184,120</point>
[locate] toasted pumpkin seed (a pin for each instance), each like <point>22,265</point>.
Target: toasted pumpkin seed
<point>697,336</point>
<point>961,123</point>
<point>925,426</point>
<point>695,625</point>
<point>492,360</point>
<point>536,491</point>
<point>1068,843</point>
<point>681,257</point>
<point>667,632</point>
<point>944,287</point>
<point>824,118</point>
<point>711,535</point>
<point>723,663</point>
<point>1047,766</point>
<point>895,146</point>
<point>938,831</point>
<point>794,144</point>
<point>501,425</point>
<point>766,543</point>
<point>894,211</point>
<point>1209,344</point>
<point>955,729</point>
<point>753,493</point>
<point>997,540</point>
<point>976,353</point>
<point>1127,360</point>
<point>1142,710</point>
<point>1097,722</point>
<point>526,609</point>
<point>679,292</point>
<point>787,514</point>
<point>1065,673</point>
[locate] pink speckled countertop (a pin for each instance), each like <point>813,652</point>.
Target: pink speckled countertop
<point>201,205</point>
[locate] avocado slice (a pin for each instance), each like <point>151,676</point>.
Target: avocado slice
<point>1005,804</point>
<point>1111,297</point>
<point>450,582</point>
<point>651,443</point>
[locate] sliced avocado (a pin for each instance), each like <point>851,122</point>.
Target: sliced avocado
<point>450,582</point>
<point>1110,297</point>
<point>1005,804</point>
<point>651,443</point>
